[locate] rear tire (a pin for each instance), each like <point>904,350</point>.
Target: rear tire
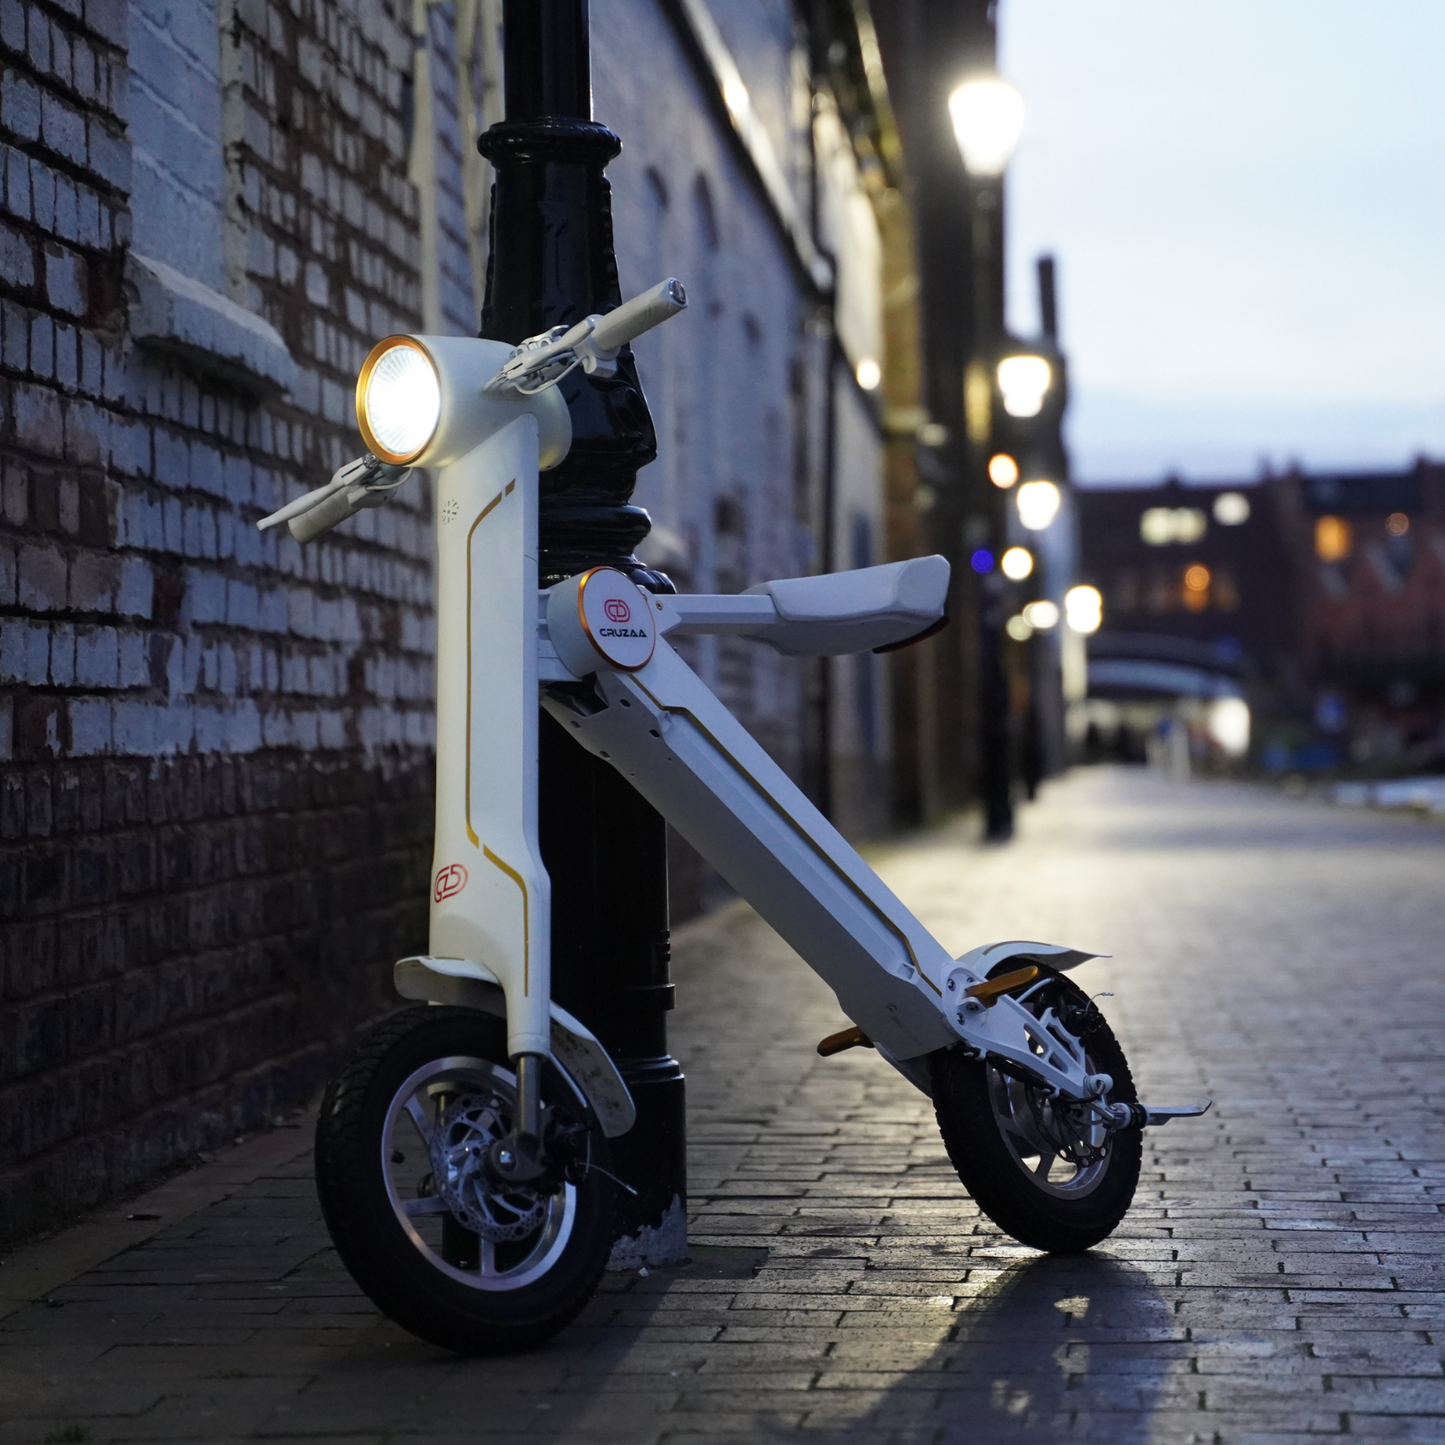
<point>467,1265</point>
<point>999,1130</point>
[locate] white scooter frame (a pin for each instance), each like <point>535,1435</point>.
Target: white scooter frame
<point>596,652</point>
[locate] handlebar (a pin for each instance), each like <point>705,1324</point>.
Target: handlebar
<point>641,313</point>
<point>593,343</point>
<point>327,514</point>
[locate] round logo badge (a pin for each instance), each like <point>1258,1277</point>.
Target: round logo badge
<point>450,879</point>
<point>617,619</point>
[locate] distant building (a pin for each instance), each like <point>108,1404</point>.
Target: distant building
<point>1320,599</point>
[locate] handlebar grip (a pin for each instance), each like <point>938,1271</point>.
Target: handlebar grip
<point>640,314</point>
<point>335,509</point>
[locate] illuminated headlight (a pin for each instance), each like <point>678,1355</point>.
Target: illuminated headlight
<point>398,399</point>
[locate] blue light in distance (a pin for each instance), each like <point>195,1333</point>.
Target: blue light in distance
<point>982,560</point>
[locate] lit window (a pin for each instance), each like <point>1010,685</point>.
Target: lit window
<point>1161,526</point>
<point>1003,471</point>
<point>1038,504</point>
<point>977,402</point>
<point>1333,539</point>
<point>1231,509</point>
<point>1017,563</point>
<point>1397,524</point>
<point>1196,587</point>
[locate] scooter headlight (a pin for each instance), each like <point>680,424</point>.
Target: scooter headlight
<point>398,400</point>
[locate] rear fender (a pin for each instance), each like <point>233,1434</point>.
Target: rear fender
<point>987,957</point>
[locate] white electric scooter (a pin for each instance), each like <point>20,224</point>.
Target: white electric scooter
<point>462,1153</point>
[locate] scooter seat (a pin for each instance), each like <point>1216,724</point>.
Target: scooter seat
<point>842,612</point>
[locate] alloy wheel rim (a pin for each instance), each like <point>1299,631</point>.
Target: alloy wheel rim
<point>1037,1155</point>
<point>412,1119</point>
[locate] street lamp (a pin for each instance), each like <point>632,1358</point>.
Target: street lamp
<point>1024,382</point>
<point>1017,563</point>
<point>1003,470</point>
<point>552,263</point>
<point>1038,504</point>
<point>987,115</point>
<point>1084,608</point>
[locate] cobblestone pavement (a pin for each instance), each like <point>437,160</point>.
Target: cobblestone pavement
<point>1280,1275</point>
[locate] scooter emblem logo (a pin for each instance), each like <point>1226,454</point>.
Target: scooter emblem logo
<point>450,879</point>
<point>615,619</point>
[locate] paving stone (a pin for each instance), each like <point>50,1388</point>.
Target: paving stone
<point>1280,1277</point>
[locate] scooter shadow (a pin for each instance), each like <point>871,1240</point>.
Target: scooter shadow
<point>1057,1345</point>
<point>1054,1348</point>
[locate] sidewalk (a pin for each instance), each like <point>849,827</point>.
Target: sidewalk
<point>1280,1275</point>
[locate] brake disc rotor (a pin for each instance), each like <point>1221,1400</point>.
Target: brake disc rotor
<point>1066,1134</point>
<point>460,1142</point>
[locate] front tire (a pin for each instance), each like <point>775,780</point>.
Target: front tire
<point>462,1262</point>
<point>1029,1164</point>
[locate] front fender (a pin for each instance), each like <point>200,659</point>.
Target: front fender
<point>575,1047</point>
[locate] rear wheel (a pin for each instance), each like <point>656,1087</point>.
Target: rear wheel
<point>448,1250</point>
<point>1043,1169</point>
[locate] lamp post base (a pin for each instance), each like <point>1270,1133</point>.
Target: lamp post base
<point>652,1158</point>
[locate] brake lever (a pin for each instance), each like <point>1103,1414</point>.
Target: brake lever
<point>594,343</point>
<point>345,493</point>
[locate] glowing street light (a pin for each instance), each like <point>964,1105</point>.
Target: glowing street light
<point>1038,504</point>
<point>1017,563</point>
<point>1084,609</point>
<point>1228,725</point>
<point>1003,471</point>
<point>1041,615</point>
<point>1024,382</point>
<point>988,117</point>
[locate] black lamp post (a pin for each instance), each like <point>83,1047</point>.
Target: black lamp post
<point>552,263</point>
<point>987,114</point>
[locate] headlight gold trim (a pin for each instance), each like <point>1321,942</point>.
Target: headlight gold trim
<point>390,343</point>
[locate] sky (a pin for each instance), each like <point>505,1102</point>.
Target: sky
<point>1246,199</point>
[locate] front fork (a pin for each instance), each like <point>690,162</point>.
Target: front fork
<point>518,1157</point>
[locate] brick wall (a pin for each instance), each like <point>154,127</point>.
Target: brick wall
<point>216,747</point>
<point>215,814</point>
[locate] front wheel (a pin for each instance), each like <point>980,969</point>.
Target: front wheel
<point>1042,1169</point>
<point>454,1255</point>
